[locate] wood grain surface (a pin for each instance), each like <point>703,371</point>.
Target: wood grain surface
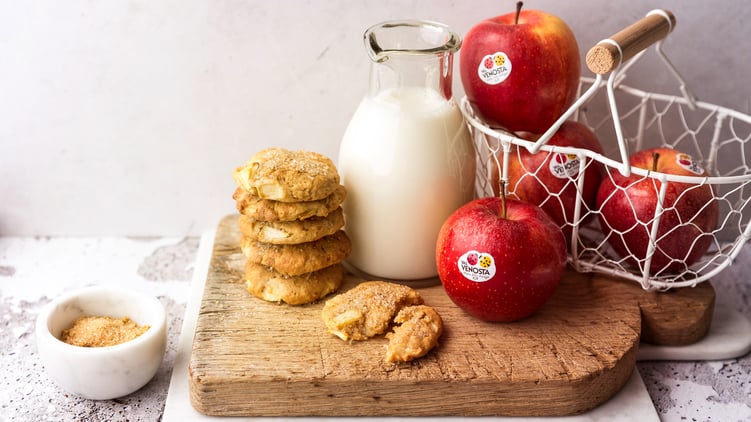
<point>254,358</point>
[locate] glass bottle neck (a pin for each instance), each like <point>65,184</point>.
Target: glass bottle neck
<point>429,71</point>
<point>411,54</point>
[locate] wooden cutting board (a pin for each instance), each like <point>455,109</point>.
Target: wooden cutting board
<point>253,358</point>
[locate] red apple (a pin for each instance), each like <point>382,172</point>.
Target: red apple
<point>500,267</point>
<point>520,72</point>
<point>549,180</point>
<point>627,207</point>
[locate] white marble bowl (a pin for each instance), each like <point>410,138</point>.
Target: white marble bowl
<point>102,373</point>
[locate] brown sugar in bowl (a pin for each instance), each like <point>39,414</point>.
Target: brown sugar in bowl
<point>105,372</point>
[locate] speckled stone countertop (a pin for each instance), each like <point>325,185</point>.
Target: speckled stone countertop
<point>35,270</point>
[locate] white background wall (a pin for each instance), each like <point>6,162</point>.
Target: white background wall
<point>127,117</point>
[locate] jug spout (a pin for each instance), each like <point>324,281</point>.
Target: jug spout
<point>411,53</point>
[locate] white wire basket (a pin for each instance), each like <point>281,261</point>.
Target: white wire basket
<point>631,119</point>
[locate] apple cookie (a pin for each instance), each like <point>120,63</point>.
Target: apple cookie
<point>300,258</point>
<point>367,310</point>
<point>265,283</point>
<point>417,333</point>
<point>269,210</point>
<point>292,232</point>
<point>288,176</point>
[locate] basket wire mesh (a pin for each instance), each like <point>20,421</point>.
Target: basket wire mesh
<point>632,119</point>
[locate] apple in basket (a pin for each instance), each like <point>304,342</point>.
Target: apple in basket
<point>549,180</point>
<point>520,71</point>
<point>500,259</point>
<point>627,211</point>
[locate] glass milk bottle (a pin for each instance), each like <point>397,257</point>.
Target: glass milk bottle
<point>406,158</point>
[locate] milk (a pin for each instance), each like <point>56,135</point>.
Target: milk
<point>407,162</point>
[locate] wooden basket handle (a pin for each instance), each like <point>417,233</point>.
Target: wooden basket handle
<point>608,54</point>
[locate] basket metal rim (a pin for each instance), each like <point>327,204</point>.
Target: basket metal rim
<point>508,137</point>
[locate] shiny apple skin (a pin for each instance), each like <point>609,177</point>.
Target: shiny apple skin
<point>530,179</point>
<point>629,202</point>
<point>545,73</point>
<point>529,253</point>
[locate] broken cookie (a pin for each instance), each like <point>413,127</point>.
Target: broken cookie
<point>373,306</point>
<point>417,333</point>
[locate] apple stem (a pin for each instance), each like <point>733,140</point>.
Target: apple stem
<point>655,157</point>
<point>503,199</point>
<point>519,5</point>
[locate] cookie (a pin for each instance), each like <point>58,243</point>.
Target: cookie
<point>367,310</point>
<point>291,232</point>
<point>265,283</point>
<point>417,332</point>
<point>288,176</point>
<point>300,258</point>
<point>269,210</point>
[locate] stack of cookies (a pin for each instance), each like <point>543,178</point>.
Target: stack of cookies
<point>291,223</point>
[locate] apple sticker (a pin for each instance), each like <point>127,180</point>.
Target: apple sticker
<point>564,166</point>
<point>477,266</point>
<point>688,163</point>
<point>494,68</point>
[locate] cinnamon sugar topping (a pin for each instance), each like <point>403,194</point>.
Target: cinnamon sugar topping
<point>99,331</point>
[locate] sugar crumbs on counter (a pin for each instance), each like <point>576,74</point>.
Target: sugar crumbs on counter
<point>100,331</point>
